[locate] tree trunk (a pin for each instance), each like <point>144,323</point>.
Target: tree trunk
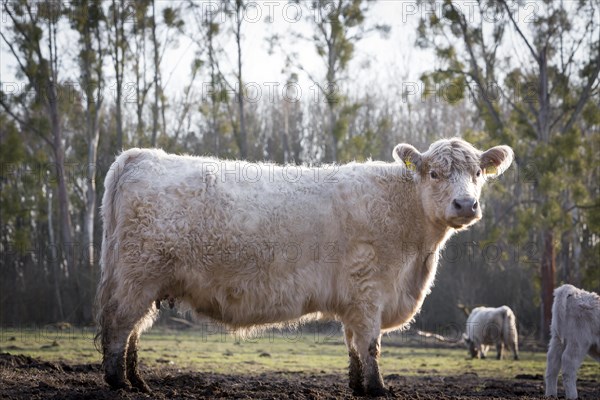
<point>548,268</point>
<point>156,83</point>
<point>548,257</point>
<point>140,77</point>
<point>285,132</point>
<point>59,312</point>
<point>63,195</point>
<point>90,201</point>
<point>119,67</point>
<point>544,97</point>
<point>331,156</point>
<point>576,241</point>
<point>69,248</point>
<point>51,104</point>
<point>214,91</point>
<point>118,113</point>
<point>94,104</point>
<point>243,144</point>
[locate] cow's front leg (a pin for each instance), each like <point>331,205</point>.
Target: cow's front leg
<point>499,349</point>
<point>481,351</point>
<point>355,368</point>
<point>368,345</point>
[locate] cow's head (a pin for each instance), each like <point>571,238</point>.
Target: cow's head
<point>450,176</point>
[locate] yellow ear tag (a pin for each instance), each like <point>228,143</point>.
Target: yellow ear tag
<point>409,165</point>
<point>491,170</point>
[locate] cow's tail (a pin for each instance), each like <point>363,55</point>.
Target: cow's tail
<point>105,304</point>
<point>559,307</point>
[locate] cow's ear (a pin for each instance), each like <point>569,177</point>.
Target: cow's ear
<point>496,160</point>
<point>407,154</point>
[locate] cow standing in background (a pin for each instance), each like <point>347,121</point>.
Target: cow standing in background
<point>492,326</point>
<point>575,331</point>
<point>259,244</point>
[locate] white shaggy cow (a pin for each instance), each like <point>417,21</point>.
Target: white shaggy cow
<point>259,244</point>
<point>492,326</point>
<point>575,331</point>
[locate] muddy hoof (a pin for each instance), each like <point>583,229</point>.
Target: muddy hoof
<point>358,391</point>
<point>138,383</point>
<point>377,391</point>
<point>116,382</point>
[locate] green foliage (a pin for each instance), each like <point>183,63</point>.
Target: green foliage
<point>591,113</point>
<point>12,150</point>
<point>12,155</point>
<point>172,19</point>
<point>20,190</point>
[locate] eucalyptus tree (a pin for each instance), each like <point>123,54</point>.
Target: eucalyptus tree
<point>338,25</point>
<point>118,14</point>
<point>31,38</point>
<point>88,19</point>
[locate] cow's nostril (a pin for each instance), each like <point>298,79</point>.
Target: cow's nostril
<point>456,204</point>
<point>475,205</point>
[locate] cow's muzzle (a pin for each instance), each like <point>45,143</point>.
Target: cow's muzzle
<point>466,207</point>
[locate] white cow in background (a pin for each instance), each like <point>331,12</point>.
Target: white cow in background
<point>259,244</point>
<point>492,326</point>
<point>575,331</point>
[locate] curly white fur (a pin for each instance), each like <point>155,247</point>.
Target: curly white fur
<point>575,331</point>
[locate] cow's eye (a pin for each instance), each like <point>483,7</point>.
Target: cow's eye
<point>478,173</point>
<point>433,175</point>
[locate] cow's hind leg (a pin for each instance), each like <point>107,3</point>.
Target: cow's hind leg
<point>514,347</point>
<point>131,361</point>
<point>572,358</point>
<point>117,329</point>
<point>114,342</point>
<point>555,351</point>
<point>355,367</point>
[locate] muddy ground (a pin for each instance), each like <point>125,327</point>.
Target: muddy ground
<point>22,377</point>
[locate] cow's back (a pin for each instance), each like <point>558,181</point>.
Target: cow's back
<point>246,244</point>
<point>486,324</point>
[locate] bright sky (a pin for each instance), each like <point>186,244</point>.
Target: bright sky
<point>376,58</point>
<point>378,63</point>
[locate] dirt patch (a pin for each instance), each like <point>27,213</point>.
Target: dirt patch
<point>23,377</point>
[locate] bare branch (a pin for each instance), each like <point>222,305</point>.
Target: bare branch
<point>313,79</point>
<point>512,19</point>
<point>519,109</point>
<point>476,72</point>
<point>583,98</point>
<point>12,50</point>
<point>16,24</point>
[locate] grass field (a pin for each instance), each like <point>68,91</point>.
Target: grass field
<point>206,350</point>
